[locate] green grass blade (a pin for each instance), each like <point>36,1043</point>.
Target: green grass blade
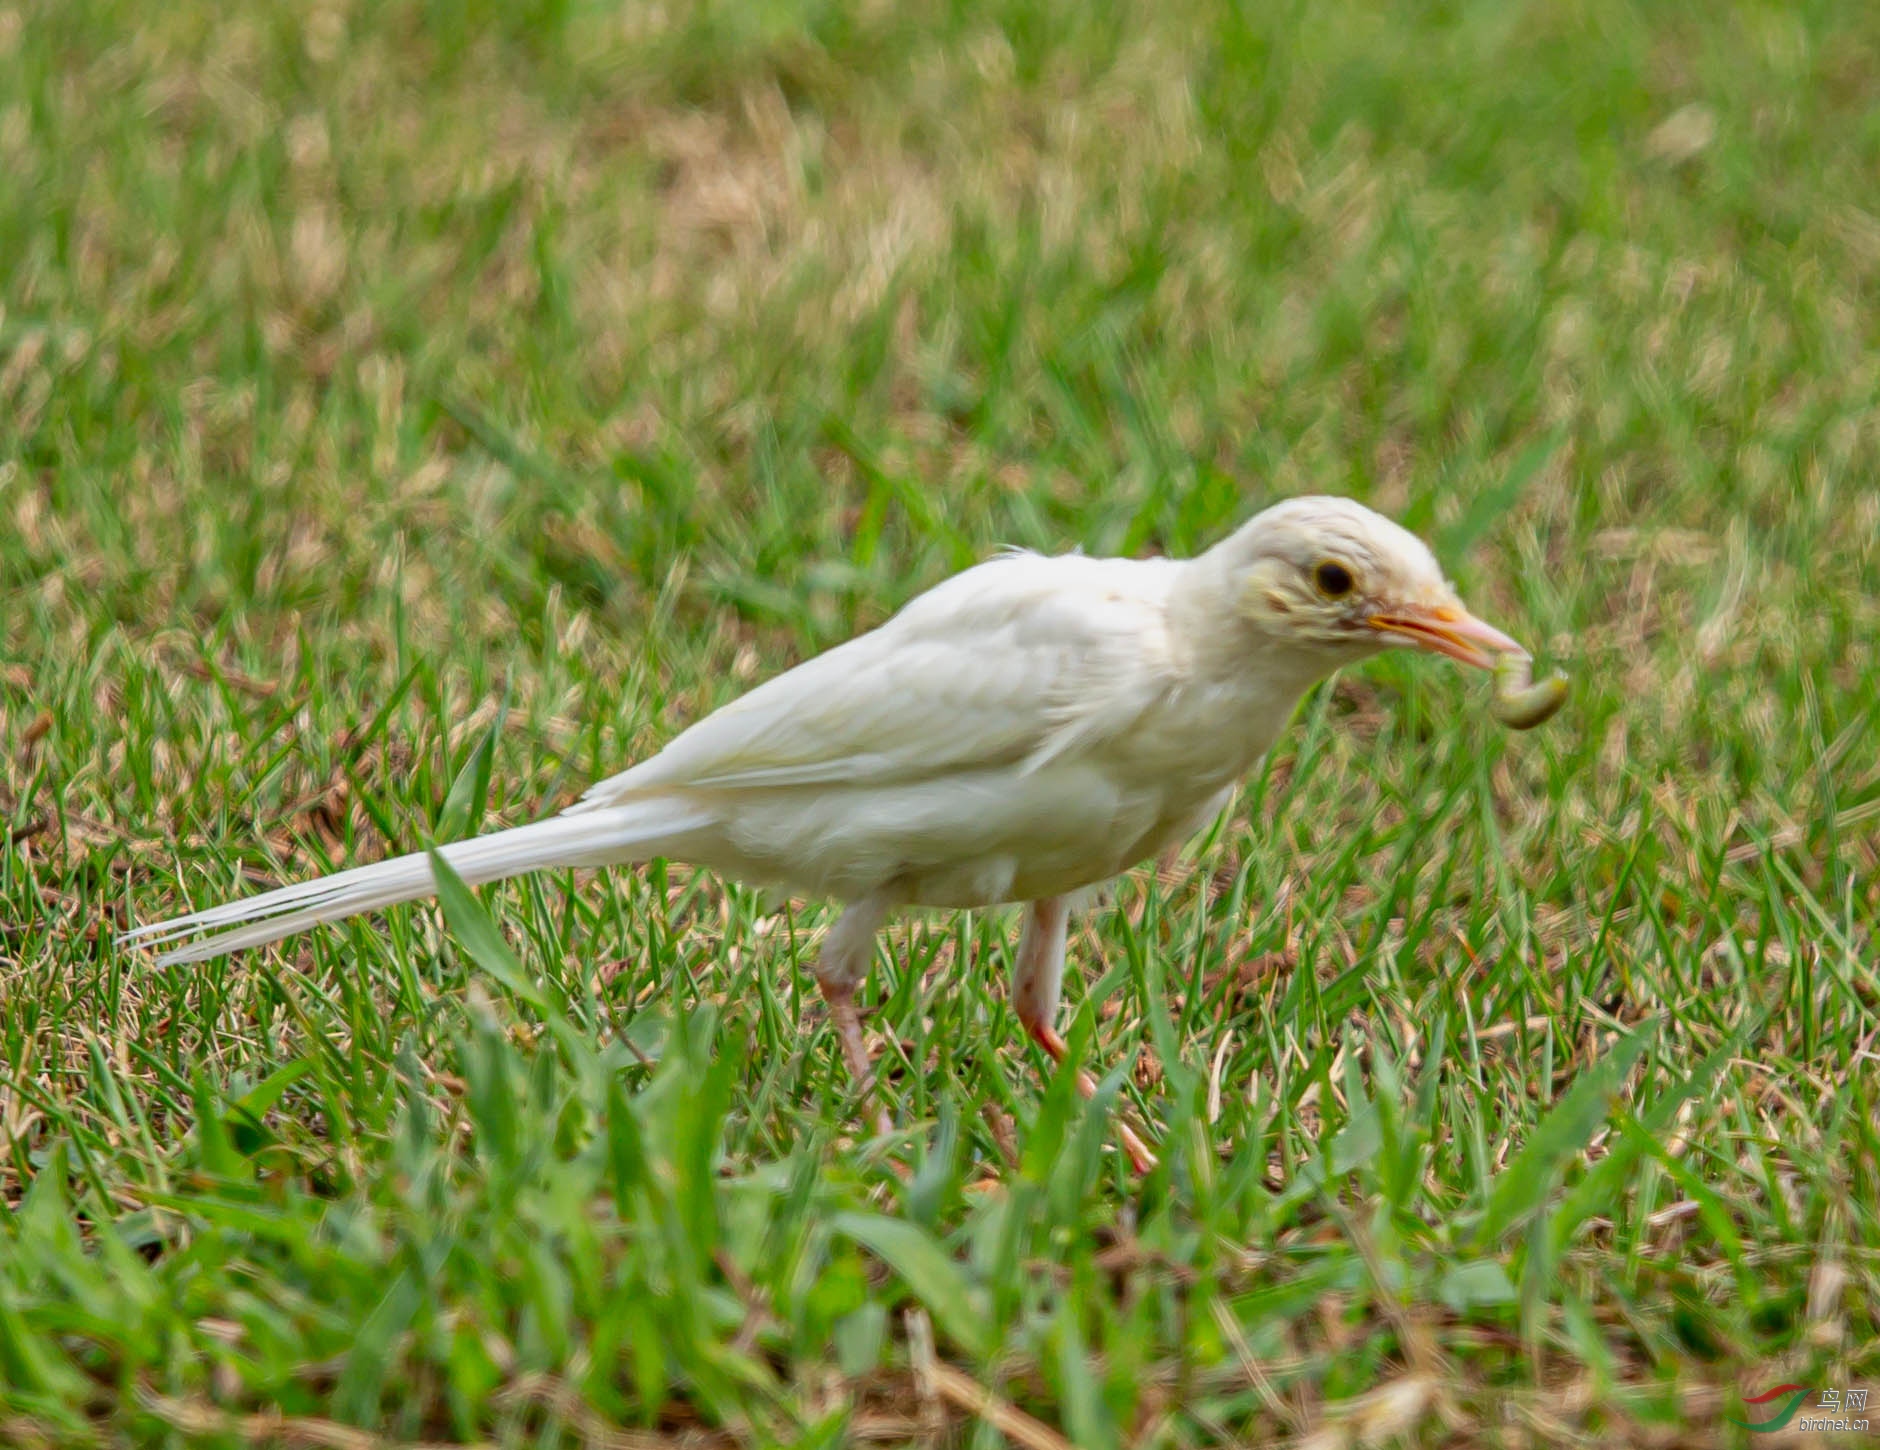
<point>1525,1184</point>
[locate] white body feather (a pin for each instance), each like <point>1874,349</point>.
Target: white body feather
<point>1027,728</point>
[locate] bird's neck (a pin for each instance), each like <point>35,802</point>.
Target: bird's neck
<point>1226,650</point>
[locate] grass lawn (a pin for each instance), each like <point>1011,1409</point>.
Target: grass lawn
<point>412,411</point>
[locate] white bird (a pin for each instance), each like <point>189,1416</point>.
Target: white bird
<point>1027,729</point>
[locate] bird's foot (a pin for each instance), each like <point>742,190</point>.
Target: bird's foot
<point>848,1020</point>
<point>1140,1157</point>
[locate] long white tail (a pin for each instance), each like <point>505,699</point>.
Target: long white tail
<point>590,837</point>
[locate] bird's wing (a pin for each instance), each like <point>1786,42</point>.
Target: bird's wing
<point>1019,659</point>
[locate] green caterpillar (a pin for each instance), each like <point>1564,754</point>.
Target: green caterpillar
<point>1520,701</point>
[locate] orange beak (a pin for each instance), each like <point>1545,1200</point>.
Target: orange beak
<point>1449,630</point>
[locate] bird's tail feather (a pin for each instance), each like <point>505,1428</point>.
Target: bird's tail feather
<point>631,832</point>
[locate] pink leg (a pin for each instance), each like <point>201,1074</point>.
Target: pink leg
<point>1037,978</point>
<point>841,967</point>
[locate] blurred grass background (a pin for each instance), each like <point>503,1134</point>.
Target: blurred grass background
<point>410,412</point>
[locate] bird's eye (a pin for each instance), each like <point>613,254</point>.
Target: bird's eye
<point>1333,578</point>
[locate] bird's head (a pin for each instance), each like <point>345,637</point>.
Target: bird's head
<point>1330,580</point>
